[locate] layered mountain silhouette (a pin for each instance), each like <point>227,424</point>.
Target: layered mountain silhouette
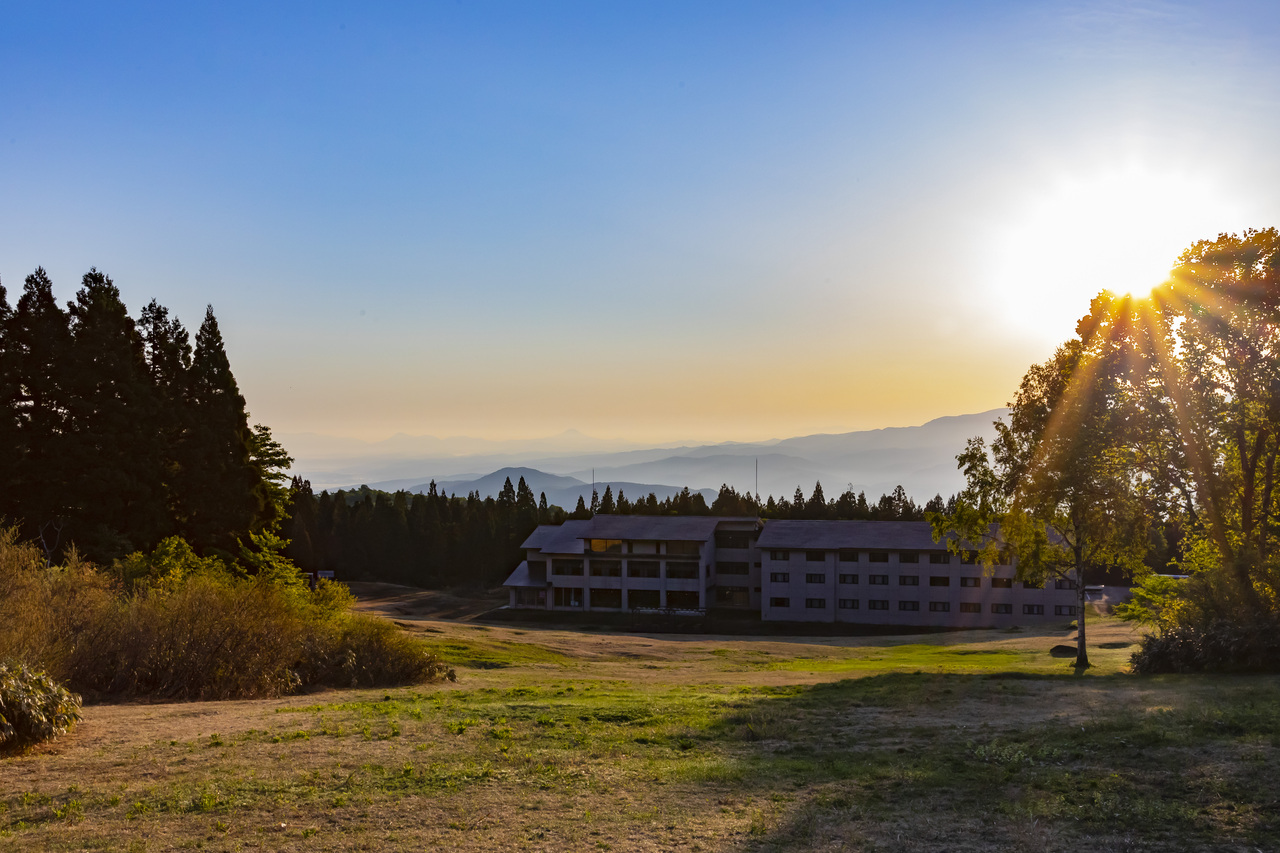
<point>919,458</point>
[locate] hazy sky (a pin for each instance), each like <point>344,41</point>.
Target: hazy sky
<point>647,221</point>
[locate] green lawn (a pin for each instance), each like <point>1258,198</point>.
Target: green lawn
<point>888,745</point>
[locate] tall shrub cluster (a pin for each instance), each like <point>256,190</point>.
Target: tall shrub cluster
<point>174,625</point>
<point>119,432</point>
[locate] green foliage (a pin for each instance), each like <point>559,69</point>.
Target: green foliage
<point>171,563</point>
<point>33,708</point>
<point>174,625</point>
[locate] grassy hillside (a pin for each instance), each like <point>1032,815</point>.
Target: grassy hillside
<point>565,741</point>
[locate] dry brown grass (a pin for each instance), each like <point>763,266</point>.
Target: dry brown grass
<point>563,741</point>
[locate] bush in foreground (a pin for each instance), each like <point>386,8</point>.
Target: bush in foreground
<point>1219,646</point>
<point>176,626</point>
<point>32,707</point>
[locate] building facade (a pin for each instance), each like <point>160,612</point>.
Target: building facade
<point>870,572</point>
<point>620,563</point>
<point>893,573</point>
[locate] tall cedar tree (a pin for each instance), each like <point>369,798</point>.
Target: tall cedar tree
<point>222,491</point>
<point>118,495</point>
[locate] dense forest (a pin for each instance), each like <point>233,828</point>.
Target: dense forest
<point>438,540</point>
<point>118,433</point>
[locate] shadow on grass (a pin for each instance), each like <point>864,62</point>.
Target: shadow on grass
<point>911,762</point>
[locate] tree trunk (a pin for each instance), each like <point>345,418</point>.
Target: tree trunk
<point>1082,652</point>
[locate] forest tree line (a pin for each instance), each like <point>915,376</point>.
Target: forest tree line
<point>436,540</point>
<point>119,433</point>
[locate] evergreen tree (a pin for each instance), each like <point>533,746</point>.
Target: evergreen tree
<point>37,344</point>
<point>119,495</point>
<point>607,506</point>
<point>223,495</point>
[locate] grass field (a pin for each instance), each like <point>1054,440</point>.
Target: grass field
<point>557,740</point>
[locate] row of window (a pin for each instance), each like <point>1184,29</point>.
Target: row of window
<point>914,580</point>
<point>850,556</point>
<point>635,569</point>
<point>571,596</point>
<point>615,546</point>
<point>934,606</point>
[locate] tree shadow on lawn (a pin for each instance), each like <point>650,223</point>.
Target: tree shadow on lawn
<point>1005,761</point>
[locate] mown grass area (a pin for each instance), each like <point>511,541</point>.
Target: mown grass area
<point>532,756</point>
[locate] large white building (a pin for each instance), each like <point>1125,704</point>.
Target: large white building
<point>870,572</point>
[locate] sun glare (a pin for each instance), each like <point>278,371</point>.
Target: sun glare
<point>1120,231</point>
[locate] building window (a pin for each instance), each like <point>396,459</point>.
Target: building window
<point>538,567</point>
<point>684,549</point>
<point>939,580</point>
<point>908,605</point>
<point>815,556</point>
<point>878,604</point>
<point>1060,583</point>
<point>1002,583</point>
<point>1033,609</point>
<point>968,558</point>
<point>1032,585</point>
<point>567,596</point>
<point>939,606</point>
<point>733,539</point>
<point>566,567</point>
<point>779,577</point>
<point>848,556</point>
<point>908,557</point>
<point>1002,608</point>
<point>682,571</point>
<point>779,555</point>
<point>970,581</point>
<point>970,607</point>
<point>878,580</point>
<point>606,569</point>
<point>733,568</point>
<point>779,602</point>
<point>606,597</point>
<point>848,579</point>
<point>604,546</point>
<point>685,600</point>
<point>939,558</point>
<point>815,577</point>
<point>643,569</point>
<point>733,596</point>
<point>908,580</point>
<point>878,556</point>
<point>848,604</point>
<point>641,599</point>
<point>1064,610</point>
<point>815,603</point>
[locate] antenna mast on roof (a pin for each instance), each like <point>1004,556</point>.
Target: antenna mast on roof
<point>757,479</point>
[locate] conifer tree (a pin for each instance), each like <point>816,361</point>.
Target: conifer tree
<point>223,494</point>
<point>118,492</point>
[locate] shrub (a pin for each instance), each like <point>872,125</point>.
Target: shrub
<point>32,707</point>
<point>176,626</point>
<point>1218,646</point>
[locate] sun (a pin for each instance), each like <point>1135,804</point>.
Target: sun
<point>1120,230</point>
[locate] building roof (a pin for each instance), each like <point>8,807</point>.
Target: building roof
<point>834,535</point>
<point>521,577</point>
<point>557,538</point>
<point>652,527</point>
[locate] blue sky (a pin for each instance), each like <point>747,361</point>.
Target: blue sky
<point>649,221</point>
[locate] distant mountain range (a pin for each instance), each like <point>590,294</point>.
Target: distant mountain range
<point>921,459</point>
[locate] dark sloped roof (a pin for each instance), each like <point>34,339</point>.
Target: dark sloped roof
<point>558,538</point>
<point>521,577</point>
<point>833,535</point>
<point>675,527</point>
